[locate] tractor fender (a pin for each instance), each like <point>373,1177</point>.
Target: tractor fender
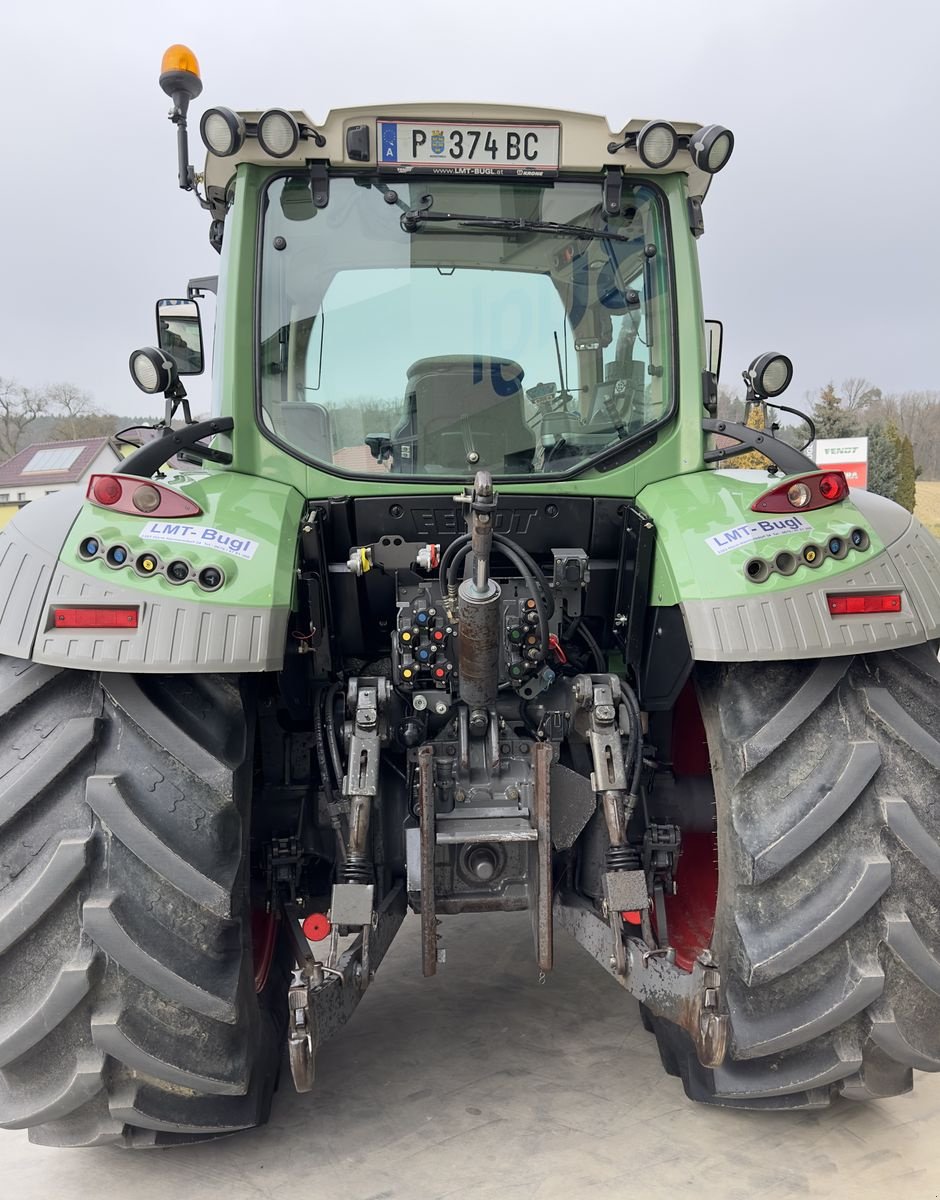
<point>248,528</point>
<point>707,534</point>
<point>30,545</point>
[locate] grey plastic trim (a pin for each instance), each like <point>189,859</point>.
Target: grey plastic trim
<point>888,519</point>
<point>174,635</point>
<point>29,549</point>
<point>796,623</point>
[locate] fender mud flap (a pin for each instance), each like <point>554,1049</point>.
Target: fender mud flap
<point>687,998</point>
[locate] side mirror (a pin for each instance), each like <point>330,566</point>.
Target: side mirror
<point>380,445</point>
<point>179,334</point>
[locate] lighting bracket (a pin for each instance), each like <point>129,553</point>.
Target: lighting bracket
<point>629,141</point>
<point>309,131</point>
<point>176,397</point>
<point>319,182</point>
<point>696,216</point>
<point>613,191</point>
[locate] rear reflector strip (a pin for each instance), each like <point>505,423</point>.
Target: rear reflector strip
<point>95,618</point>
<point>847,603</point>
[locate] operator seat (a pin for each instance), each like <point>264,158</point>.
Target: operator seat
<point>459,405</point>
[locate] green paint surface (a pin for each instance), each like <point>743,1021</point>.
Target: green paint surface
<point>261,510</point>
<point>690,509</point>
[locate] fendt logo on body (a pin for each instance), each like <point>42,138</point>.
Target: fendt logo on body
<point>430,521</point>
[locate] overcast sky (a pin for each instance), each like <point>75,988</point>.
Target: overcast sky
<point>821,235</point>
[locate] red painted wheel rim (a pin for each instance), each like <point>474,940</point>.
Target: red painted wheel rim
<point>691,911</point>
<point>263,940</point>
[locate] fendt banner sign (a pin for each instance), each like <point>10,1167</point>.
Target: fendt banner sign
<point>845,454</point>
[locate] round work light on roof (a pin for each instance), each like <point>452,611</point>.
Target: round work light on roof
<point>152,370</point>
<point>769,375</point>
<point>278,133</point>
<point>223,131</point>
<point>711,147</point>
<point>657,143</point>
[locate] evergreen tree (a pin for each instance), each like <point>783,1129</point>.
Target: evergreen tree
<point>884,474</point>
<point>906,493</point>
<point>831,418</point>
<point>753,460</point>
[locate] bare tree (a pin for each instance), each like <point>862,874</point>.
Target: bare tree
<point>74,409</point>
<point>19,408</point>
<point>858,394</point>
<point>915,415</point>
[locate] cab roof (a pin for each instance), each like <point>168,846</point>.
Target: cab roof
<point>583,143</point>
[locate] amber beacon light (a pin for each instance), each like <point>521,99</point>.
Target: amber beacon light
<point>179,58</point>
<point>180,79</point>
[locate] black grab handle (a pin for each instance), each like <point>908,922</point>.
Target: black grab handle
<point>150,458</point>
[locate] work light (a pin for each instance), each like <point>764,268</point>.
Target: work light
<point>657,143</point>
<point>223,131</point>
<point>278,133</point>
<point>769,375</point>
<point>711,147</point>
<point>152,370</point>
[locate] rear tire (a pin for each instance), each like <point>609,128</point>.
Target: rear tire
<point>129,1012</point>
<point>827,929</point>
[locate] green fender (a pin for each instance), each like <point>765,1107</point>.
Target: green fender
<point>707,535</point>
<point>247,531</point>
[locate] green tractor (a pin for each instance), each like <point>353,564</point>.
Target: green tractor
<point>447,607</point>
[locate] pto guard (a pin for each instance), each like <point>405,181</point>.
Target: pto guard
<point>248,530</point>
<point>706,533</point>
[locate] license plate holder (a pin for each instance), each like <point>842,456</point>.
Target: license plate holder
<point>498,148</point>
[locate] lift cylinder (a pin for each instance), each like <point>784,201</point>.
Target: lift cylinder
<point>478,643</point>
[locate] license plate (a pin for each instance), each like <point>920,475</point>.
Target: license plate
<point>464,147</point>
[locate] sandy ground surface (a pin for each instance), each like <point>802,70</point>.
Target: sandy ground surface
<point>927,507</point>
<point>482,1084</point>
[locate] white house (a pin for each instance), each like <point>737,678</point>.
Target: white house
<point>47,467</point>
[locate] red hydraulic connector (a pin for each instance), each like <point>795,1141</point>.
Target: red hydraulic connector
<point>555,645</point>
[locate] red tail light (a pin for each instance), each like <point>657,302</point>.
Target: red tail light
<point>848,603</point>
<point>94,618</point>
<point>804,493</point>
<point>139,497</point>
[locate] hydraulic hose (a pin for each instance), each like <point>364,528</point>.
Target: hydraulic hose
<point>332,743</point>
<point>447,570</point>
<point>509,550</point>
<point>591,642</point>
<point>319,742</point>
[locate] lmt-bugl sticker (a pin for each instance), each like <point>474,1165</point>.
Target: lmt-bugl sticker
<point>199,535</point>
<point>740,535</point>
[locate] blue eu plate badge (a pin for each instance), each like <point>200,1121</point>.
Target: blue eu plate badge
<point>389,142</point>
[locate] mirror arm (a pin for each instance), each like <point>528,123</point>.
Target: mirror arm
<point>155,454</point>
<point>790,460</point>
<point>175,397</point>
